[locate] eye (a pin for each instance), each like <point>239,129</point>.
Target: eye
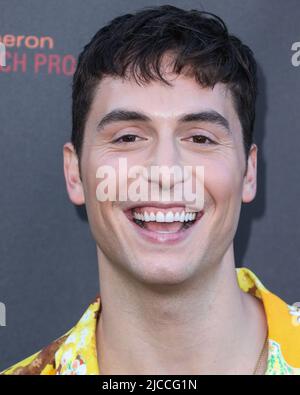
<point>126,138</point>
<point>200,139</point>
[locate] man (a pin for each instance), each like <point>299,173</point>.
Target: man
<point>168,87</point>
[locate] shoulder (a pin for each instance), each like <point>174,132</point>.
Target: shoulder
<point>59,355</point>
<point>283,320</point>
<point>40,363</point>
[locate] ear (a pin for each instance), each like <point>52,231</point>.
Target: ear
<point>72,175</point>
<point>250,177</point>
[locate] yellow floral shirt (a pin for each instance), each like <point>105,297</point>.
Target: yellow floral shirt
<point>75,352</point>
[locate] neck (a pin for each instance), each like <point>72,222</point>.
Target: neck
<point>208,326</point>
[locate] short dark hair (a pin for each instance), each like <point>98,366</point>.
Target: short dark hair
<point>134,44</point>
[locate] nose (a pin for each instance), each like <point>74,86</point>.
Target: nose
<point>165,166</point>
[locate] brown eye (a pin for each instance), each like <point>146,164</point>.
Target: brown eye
<point>126,138</point>
<point>200,139</point>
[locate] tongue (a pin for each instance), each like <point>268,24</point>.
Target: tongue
<point>163,226</point>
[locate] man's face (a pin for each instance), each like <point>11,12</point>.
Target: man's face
<point>145,251</point>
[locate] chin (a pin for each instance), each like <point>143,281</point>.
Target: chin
<point>162,270</point>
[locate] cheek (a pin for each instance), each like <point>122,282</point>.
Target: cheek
<point>90,181</point>
<point>118,165</point>
<point>223,181</point>
<point>97,165</point>
<point>98,211</point>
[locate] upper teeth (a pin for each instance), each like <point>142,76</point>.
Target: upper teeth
<point>168,217</point>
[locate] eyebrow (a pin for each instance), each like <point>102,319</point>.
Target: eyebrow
<point>119,115</point>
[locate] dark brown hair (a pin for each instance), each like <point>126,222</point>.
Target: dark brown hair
<point>135,44</point>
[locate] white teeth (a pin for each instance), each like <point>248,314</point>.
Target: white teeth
<point>152,217</point>
<point>160,217</point>
<point>182,216</point>
<point>146,217</point>
<point>177,217</point>
<point>168,217</point>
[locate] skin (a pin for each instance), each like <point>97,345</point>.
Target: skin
<point>179,309</point>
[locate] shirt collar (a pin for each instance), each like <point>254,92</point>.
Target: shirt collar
<point>283,325</point>
<point>78,354</point>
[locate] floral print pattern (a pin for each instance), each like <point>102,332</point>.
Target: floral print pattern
<point>295,313</point>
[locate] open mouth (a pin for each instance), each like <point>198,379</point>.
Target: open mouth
<point>163,224</point>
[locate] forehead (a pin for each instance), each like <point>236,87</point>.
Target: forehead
<point>160,100</point>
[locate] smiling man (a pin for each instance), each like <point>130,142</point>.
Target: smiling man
<point>168,87</point>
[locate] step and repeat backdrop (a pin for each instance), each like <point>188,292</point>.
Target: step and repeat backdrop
<point>48,264</point>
